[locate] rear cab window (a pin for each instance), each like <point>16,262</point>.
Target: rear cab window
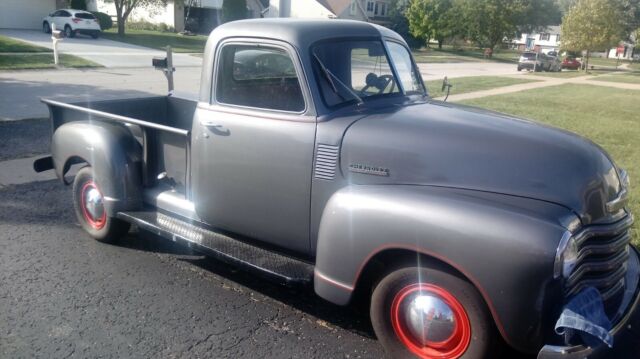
<point>262,77</point>
<point>84,15</point>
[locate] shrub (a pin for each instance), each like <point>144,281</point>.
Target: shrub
<point>78,4</point>
<point>146,25</point>
<point>103,19</point>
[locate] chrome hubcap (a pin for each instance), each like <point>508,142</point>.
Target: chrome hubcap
<point>429,319</point>
<point>93,202</point>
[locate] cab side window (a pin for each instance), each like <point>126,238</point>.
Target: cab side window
<point>260,77</point>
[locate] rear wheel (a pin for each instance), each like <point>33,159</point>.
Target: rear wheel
<point>95,35</point>
<point>88,203</point>
<point>429,313</point>
<point>46,28</point>
<point>68,32</point>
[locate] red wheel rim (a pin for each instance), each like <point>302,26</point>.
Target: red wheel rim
<point>453,346</point>
<point>96,223</point>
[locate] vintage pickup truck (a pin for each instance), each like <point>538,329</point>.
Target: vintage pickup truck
<point>314,155</point>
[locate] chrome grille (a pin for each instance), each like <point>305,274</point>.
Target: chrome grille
<point>326,161</point>
<point>603,253</point>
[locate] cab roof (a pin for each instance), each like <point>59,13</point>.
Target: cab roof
<point>301,33</point>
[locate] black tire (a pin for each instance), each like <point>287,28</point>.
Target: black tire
<point>68,32</point>
<point>46,28</point>
<point>479,330</point>
<point>104,229</point>
<point>95,35</point>
<point>519,68</point>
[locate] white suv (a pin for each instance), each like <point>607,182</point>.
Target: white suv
<point>72,22</point>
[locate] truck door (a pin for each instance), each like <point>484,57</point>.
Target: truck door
<point>253,146</point>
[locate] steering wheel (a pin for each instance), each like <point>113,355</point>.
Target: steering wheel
<point>378,82</point>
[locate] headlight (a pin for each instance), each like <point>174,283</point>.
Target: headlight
<point>566,256</point>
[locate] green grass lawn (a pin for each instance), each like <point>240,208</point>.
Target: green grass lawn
<point>629,78</point>
<point>18,55</point>
<point>159,40</point>
<point>609,118</point>
<point>8,44</point>
<point>474,83</point>
<point>601,61</point>
<point>41,61</point>
<point>463,54</point>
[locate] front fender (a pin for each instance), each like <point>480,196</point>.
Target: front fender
<point>113,153</point>
<point>504,245</point>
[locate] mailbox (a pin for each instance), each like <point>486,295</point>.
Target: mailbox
<point>159,62</point>
<point>57,34</point>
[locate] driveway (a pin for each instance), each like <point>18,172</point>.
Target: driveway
<point>20,91</point>
<point>102,51</point>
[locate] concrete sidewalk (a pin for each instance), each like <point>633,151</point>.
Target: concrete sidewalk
<point>105,52</point>
<point>542,82</point>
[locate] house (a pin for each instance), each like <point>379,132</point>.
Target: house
<point>624,51</point>
<point>26,14</point>
<point>376,11</point>
<point>203,15</point>
<point>544,41</point>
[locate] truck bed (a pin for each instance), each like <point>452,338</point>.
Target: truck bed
<point>162,125</point>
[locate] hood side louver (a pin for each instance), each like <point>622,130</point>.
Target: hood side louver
<point>326,162</point>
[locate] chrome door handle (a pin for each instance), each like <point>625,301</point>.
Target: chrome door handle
<point>210,124</point>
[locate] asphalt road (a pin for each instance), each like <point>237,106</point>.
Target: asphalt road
<point>65,295</point>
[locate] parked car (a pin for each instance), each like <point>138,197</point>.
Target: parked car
<point>301,163</point>
<point>571,63</point>
<point>554,63</point>
<point>72,22</point>
<point>532,61</point>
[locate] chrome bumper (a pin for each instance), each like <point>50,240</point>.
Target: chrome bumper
<point>581,351</point>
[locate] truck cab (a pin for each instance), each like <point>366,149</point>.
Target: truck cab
<point>314,155</point>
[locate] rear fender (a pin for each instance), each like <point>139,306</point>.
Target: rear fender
<point>505,246</point>
<point>113,153</point>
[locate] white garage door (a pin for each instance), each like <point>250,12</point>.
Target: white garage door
<point>24,14</point>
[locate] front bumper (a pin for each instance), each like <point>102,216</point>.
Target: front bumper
<point>626,340</point>
<point>87,31</point>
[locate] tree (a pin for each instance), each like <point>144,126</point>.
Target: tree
<point>399,23</point>
<point>592,25</point>
<point>631,17</point>
<point>489,22</point>
<point>234,10</point>
<point>537,15</point>
<point>431,19</point>
<point>124,8</point>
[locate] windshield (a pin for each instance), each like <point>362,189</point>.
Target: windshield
<point>351,71</point>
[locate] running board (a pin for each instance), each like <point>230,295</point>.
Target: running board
<point>276,266</point>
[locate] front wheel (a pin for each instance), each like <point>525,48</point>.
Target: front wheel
<point>46,28</point>
<point>429,313</point>
<point>88,203</point>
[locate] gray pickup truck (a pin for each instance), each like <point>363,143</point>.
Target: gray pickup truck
<point>314,155</point>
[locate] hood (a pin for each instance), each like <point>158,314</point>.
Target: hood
<point>461,147</point>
